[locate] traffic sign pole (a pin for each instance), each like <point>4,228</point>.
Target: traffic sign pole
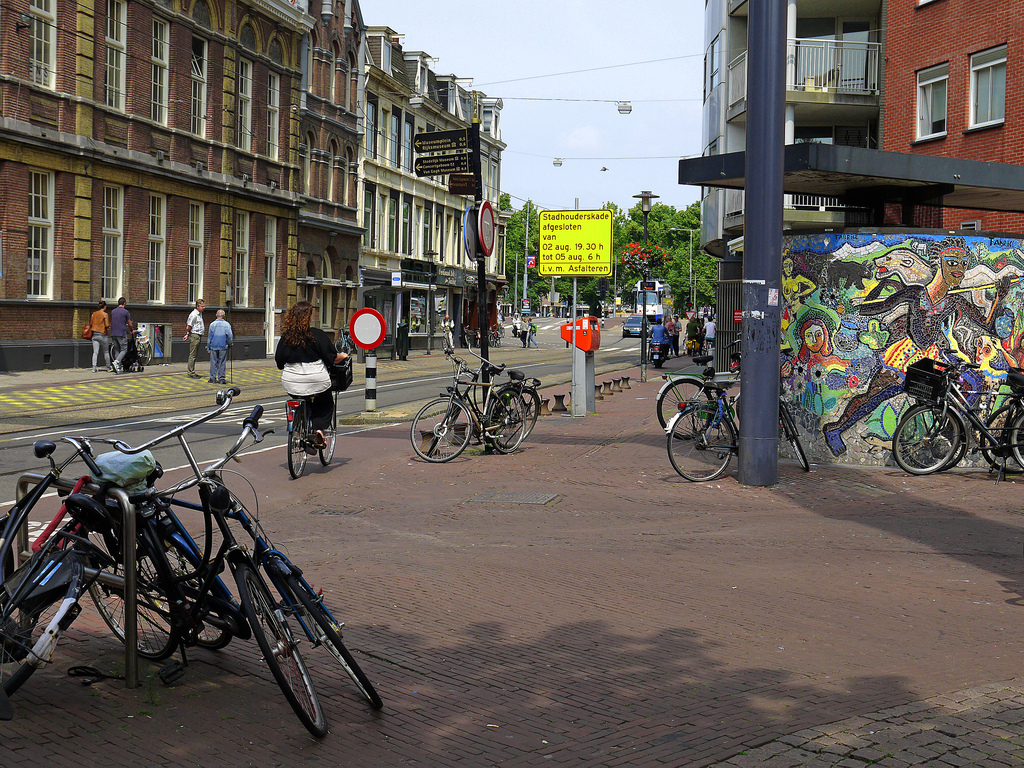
<point>481,264</point>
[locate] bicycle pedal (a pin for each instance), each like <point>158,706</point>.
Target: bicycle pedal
<point>171,673</point>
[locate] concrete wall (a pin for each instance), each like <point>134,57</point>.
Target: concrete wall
<point>859,308</point>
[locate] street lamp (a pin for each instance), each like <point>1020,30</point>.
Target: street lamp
<point>693,285</point>
<point>645,206</point>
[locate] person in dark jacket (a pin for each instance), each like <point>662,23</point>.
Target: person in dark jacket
<point>303,354</point>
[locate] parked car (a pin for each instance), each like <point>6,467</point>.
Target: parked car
<point>633,326</point>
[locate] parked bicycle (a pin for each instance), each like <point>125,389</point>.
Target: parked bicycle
<point>681,387</point>
<point>443,427</point>
<point>144,347</point>
<point>40,597</point>
<point>703,436</point>
<point>936,432</point>
<point>184,578</point>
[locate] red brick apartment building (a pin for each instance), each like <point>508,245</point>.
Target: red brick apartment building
<point>953,79</point>
<point>171,150</point>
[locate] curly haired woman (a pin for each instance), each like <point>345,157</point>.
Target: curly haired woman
<point>303,354</point>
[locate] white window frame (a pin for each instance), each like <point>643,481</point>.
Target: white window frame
<point>241,298</point>
<point>159,80</point>
<point>42,58</point>
<point>243,105</point>
<point>39,259</point>
<point>157,271</point>
<point>196,251</point>
<point>273,116</point>
<point>199,70</point>
<point>112,268</point>
<point>929,82</point>
<point>117,33</point>
<point>988,79</point>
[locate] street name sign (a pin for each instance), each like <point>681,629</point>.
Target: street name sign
<point>442,141</point>
<point>575,244</point>
<point>441,165</point>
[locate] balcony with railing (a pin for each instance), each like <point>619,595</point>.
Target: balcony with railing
<point>814,65</point>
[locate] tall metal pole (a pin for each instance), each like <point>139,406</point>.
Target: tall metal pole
<point>645,206</point>
<point>526,253</point>
<point>692,286</point>
<point>762,262</point>
<point>481,258</point>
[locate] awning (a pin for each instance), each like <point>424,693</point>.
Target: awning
<point>870,176</point>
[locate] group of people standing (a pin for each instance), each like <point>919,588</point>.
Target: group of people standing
<point>110,336</point>
<point>700,334</point>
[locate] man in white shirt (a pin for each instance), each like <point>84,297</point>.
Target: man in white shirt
<point>194,335</point>
<point>709,336</point>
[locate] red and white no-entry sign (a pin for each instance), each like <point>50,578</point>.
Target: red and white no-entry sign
<point>368,328</point>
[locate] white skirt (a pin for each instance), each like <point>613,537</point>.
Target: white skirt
<point>304,379</point>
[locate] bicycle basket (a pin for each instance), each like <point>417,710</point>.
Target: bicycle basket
<point>341,375</point>
<point>926,380</point>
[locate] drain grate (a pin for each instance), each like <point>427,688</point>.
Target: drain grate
<point>515,498</point>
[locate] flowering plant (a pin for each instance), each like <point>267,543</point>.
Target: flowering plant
<point>643,258</point>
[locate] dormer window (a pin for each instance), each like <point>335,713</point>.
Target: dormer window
<point>385,56</point>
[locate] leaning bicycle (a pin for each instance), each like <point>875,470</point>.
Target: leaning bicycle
<point>444,427</point>
<point>935,433</point>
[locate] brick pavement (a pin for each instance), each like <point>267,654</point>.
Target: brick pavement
<point>839,617</point>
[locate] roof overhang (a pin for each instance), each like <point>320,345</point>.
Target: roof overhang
<point>856,174</point>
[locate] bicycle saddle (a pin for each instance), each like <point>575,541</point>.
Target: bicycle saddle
<point>517,375</point>
<point>702,359</point>
<point>1016,381</point>
<point>89,512</point>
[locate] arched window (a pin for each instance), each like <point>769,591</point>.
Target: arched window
<point>350,177</point>
<point>332,153</point>
<point>201,13</point>
<point>334,93</point>
<point>307,164</point>
<point>353,83</point>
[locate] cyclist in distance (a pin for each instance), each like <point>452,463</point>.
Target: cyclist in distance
<point>303,354</point>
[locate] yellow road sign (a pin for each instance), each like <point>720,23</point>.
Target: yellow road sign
<point>575,244</point>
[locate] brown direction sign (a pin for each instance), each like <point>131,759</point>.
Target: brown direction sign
<point>462,184</point>
<point>441,141</point>
<point>441,165</point>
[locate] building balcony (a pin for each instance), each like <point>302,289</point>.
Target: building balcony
<point>824,79</point>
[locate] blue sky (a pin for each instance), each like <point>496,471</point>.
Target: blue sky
<point>560,67</point>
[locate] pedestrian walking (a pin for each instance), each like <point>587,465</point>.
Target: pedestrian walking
<point>672,331</point>
<point>194,328</point>
<point>99,322</point>
<point>218,342</point>
<point>517,325</point>
<point>709,336</point>
<point>120,326</point>
<point>449,333</point>
<point>531,341</point>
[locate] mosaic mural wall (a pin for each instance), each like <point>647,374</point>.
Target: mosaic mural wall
<point>860,308</point>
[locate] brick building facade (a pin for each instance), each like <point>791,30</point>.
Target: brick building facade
<point>950,79</point>
<point>148,151</point>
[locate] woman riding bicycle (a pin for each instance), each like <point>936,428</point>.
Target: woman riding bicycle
<point>303,355</point>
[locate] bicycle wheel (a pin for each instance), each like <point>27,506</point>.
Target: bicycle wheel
<point>678,389</point>
<point>156,637</point>
<point>441,430</point>
<point>505,423</point>
<point>791,434</point>
<point>29,606</point>
<point>531,409</point>
<point>330,435</point>
<point>926,438</point>
<point>327,634</point>
<point>1000,424</point>
<point>145,353</point>
<point>700,445</point>
<point>297,441</point>
<point>279,649</point>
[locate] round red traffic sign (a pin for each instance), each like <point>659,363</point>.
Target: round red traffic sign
<point>368,328</point>
<point>485,227</point>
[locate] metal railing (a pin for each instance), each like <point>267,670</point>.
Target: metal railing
<point>813,65</point>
